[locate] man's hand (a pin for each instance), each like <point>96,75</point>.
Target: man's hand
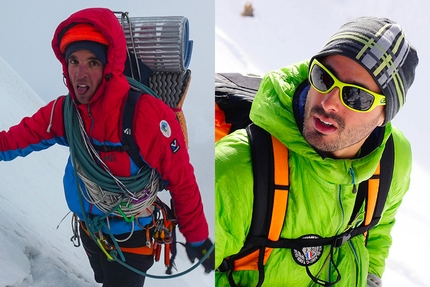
<point>199,251</point>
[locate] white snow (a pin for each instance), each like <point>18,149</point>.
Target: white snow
<point>285,32</point>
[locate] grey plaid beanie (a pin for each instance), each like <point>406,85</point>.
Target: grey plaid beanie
<point>380,46</point>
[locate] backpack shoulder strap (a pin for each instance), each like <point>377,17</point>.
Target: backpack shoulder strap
<point>271,184</point>
<point>379,185</point>
<point>129,144</point>
<point>375,190</point>
<point>270,170</point>
<point>127,138</point>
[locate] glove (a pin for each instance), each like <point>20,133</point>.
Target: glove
<point>373,280</point>
<point>199,251</point>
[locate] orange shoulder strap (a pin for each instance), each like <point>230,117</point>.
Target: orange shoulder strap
<point>270,197</point>
<point>282,183</point>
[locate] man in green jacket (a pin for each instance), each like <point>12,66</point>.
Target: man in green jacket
<point>333,113</point>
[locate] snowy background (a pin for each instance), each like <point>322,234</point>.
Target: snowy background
<point>284,32</point>
<point>34,253</point>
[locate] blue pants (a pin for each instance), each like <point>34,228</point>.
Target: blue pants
<point>111,273</point>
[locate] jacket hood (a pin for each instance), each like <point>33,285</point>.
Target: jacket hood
<point>272,109</point>
<point>105,21</point>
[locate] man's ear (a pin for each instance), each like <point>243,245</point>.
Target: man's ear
<point>381,118</point>
<point>64,80</point>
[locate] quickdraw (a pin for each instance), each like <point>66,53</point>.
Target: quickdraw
<point>164,234</point>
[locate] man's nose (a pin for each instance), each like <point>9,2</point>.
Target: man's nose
<point>331,101</point>
<point>81,71</point>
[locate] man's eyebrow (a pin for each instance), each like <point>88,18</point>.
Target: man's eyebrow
<point>72,56</point>
<point>336,74</point>
<point>93,58</point>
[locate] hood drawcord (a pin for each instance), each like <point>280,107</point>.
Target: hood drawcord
<point>354,187</point>
<point>52,115</point>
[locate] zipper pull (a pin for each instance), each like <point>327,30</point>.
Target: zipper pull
<point>89,111</point>
<point>354,187</point>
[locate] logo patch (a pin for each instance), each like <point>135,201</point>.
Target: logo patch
<point>174,146</point>
<point>109,157</point>
<point>308,255</point>
<point>165,129</point>
<point>127,131</point>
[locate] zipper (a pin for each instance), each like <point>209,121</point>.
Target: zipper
<point>357,260</point>
<point>350,243</point>
<point>90,115</point>
<point>339,198</point>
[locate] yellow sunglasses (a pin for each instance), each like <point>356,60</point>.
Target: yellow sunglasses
<point>353,97</point>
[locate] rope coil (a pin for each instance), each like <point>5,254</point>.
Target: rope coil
<point>121,196</point>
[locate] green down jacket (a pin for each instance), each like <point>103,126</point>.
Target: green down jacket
<point>321,197</point>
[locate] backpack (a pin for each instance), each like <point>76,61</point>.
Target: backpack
<point>271,187</point>
<point>167,79</point>
<point>234,94</point>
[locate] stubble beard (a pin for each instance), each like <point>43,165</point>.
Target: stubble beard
<point>342,139</point>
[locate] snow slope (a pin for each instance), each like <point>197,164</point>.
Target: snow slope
<point>285,32</point>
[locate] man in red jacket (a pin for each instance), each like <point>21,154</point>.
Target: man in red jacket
<point>91,47</point>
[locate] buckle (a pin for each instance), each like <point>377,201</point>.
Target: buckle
<point>339,241</point>
<point>225,266</point>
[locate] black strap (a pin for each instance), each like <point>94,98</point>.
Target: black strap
<point>108,148</point>
<point>387,167</point>
<point>262,168</point>
<point>129,144</point>
<point>260,143</point>
<point>264,186</point>
<point>127,139</point>
<point>386,176</point>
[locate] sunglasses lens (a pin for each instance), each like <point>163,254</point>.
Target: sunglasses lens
<point>320,79</point>
<point>357,99</point>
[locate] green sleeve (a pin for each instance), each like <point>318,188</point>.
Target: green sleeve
<point>233,194</point>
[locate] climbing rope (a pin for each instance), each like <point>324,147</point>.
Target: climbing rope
<point>122,196</point>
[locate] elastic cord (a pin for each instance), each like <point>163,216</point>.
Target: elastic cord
<point>318,280</point>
